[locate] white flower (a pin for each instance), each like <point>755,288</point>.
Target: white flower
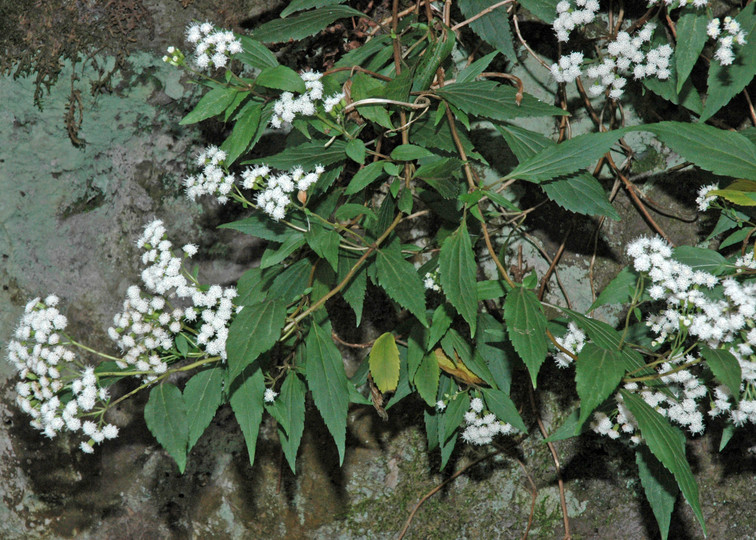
<point>270,395</point>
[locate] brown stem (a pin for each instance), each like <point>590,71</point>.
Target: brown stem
<point>486,11</point>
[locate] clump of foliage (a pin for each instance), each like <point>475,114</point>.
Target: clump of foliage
<point>379,147</point>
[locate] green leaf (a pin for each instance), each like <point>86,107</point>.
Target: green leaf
<point>281,78</point>
<point>290,283</point>
<point>434,55</point>
<point>328,383</point>
<point>725,368</point>
<point>403,387</point>
<point>619,290</point>
<point>523,143</point>
<point>303,25</point>
<point>301,5</point>
<point>409,152</point>
<point>261,226</point>
<point>735,238</point>
<point>691,24</point>
<point>659,486</point>
<point>489,343</point>
<point>495,101</point>
<point>354,291</point>
<point>726,153</point>
<point>439,174</point>
<point>442,319</point>
<point>292,406</point>
<point>255,330</point>
<point>165,415</point>
<point>567,157</point>
<point>365,176</point>
<point>245,129</point>
<point>458,270</point>
<point>426,379</point>
<point>502,406</point>
<point>182,346</point>
<point>307,155</point>
<point>246,401</point>
<point>598,371</point>
<point>212,104</point>
<point>668,445</point>
<point>202,397</point>
<point>355,149</point>
<point>706,260</point>
<point>325,243</point>
<point>351,210</point>
<point>491,289</point>
<point>256,54</point>
<point>569,428</point>
<point>384,363</point>
<point>543,9</point>
<point>582,194</point>
<point>725,82</point>
<point>454,413</point>
<point>364,87</point>
<point>476,68</point>
<point>727,433</point>
<point>526,326</point>
<point>399,88</point>
<point>274,256</point>
<point>493,27</point>
<point>400,281</point>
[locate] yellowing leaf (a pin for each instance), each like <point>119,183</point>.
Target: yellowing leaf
<point>457,368</point>
<point>384,363</point>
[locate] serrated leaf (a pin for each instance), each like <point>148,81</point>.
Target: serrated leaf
<point>458,270</point>
<point>526,326</point>
<point>725,368</point>
<point>165,415</point>
<point>328,383</point>
<point>659,487</point>
<point>301,5</point>
<point>456,368</point>
<point>354,291</point>
<point>691,24</point>
<point>365,176</point>
<point>703,259</point>
<point>502,406</point>
<point>276,255</point>
<point>426,379</point>
<point>439,137</point>
<point>443,316</point>
<point>495,101</point>
<point>434,55</point>
<point>261,226</point>
<point>543,9</point>
<point>399,88</point>
<point>255,330</point>
<point>245,128</point>
<point>489,343</point>
<point>384,363</point>
<point>439,174</point>
<point>567,157</point>
<point>307,155</point>
<point>400,281</point>
<point>491,289</point>
<point>569,428</point>
<point>523,143</point>
<point>202,396</point>
<point>403,387</point>
<point>281,78</point>
<point>290,283</point>
<point>476,68</point>
<point>256,54</point>
<point>735,238</point>
<point>453,414</point>
<point>409,152</point>
<point>303,25</point>
<point>725,82</point>
<point>212,104</point>
<point>291,403</point>
<point>246,401</point>
<point>667,443</point>
<point>355,149</point>
<point>364,87</point>
<point>619,290</point>
<point>726,153</point>
<point>598,371</point>
<point>580,193</point>
<point>493,27</point>
<point>325,243</point>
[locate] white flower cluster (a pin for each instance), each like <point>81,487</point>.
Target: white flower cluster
<point>47,369</point>
<point>213,180</point>
<point>746,262</point>
<point>568,68</point>
<point>430,280</point>
<point>679,3</point>
<point>482,426</point>
<point>573,341</point>
<point>212,47</point>
<point>569,16</point>
<point>625,57</point>
<point>704,199</point>
<point>276,192</point>
<point>728,33</point>
<point>270,395</point>
<point>174,57</point>
<point>289,106</point>
<point>148,326</point>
